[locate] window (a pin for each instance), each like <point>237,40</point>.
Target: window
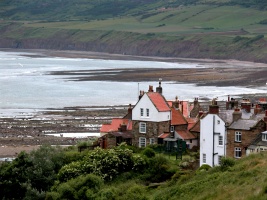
<point>142,127</point>
<point>151,140</point>
<point>237,136</point>
<point>220,159</point>
<point>172,128</point>
<point>238,152</point>
<point>204,158</point>
<point>220,140</point>
<point>142,142</point>
<point>264,137</point>
<point>141,112</point>
<point>147,112</point>
<point>218,121</point>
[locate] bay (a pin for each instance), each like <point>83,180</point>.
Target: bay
<point>26,83</point>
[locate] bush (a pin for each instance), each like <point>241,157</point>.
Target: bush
<point>226,163</point>
<point>148,152</point>
<point>203,168</point>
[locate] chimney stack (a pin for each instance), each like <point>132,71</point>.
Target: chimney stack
<point>257,109</point>
<point>175,103</point>
<point>237,114</point>
<point>150,89</point>
<point>246,104</point>
<point>214,108</point>
<point>231,103</point>
<point>159,88</point>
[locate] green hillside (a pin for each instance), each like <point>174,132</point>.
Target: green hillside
<point>129,173</point>
<point>222,29</point>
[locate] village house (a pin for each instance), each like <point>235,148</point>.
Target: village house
<point>245,128</point>
<point>116,132</point>
<point>150,117</point>
<point>213,135</point>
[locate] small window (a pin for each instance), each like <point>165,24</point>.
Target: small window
<point>190,140</point>
<point>218,121</point>
<point>220,140</point>
<point>204,158</point>
<point>142,127</point>
<point>141,112</point>
<point>238,136</point>
<point>142,142</point>
<point>147,112</point>
<point>238,152</point>
<point>172,128</point>
<point>152,140</point>
<point>264,137</point>
<point>220,159</point>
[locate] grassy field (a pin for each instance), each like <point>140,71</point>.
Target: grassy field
<point>185,20</point>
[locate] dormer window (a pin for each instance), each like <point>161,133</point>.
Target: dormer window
<point>264,136</point>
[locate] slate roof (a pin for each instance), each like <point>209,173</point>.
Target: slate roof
<point>243,124</point>
<point>159,101</point>
<point>177,117</point>
<point>115,125</point>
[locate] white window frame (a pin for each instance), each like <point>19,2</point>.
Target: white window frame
<point>142,127</point>
<point>204,158</point>
<point>238,136</point>
<point>172,129</point>
<point>147,112</point>
<point>141,112</point>
<point>220,140</point>
<point>151,140</point>
<point>238,152</point>
<point>142,142</point>
<point>264,137</point>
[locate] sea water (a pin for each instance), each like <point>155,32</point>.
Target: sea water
<point>26,83</point>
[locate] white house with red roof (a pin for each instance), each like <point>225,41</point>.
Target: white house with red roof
<point>150,117</point>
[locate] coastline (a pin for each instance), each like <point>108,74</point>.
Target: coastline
<point>218,73</point>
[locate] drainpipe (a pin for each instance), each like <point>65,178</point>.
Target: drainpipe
<point>213,135</point>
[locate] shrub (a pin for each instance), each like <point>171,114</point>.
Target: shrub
<point>226,163</point>
<point>148,152</point>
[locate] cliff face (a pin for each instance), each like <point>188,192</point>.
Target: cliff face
<point>146,47</point>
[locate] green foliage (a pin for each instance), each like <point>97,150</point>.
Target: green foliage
<point>203,168</point>
<point>226,163</point>
<point>31,174</point>
<point>149,152</point>
<point>104,163</point>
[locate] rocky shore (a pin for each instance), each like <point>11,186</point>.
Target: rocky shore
<point>25,134</point>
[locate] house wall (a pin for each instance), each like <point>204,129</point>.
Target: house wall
<point>247,137</point>
<point>154,114</point>
<point>191,144</point>
<point>153,130</point>
<point>210,130</point>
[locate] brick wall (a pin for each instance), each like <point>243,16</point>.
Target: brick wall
<point>247,137</point>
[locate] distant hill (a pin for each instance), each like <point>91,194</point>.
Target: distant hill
<point>216,29</point>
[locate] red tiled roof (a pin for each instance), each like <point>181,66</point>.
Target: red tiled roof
<point>191,122</point>
<point>159,101</point>
<point>185,135</point>
<point>164,135</point>
<point>115,125</point>
<point>177,117</point>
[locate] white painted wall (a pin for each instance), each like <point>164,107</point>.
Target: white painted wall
<point>209,141</point>
<point>154,115</point>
